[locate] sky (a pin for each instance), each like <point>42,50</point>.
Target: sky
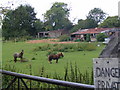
<point>79,9</point>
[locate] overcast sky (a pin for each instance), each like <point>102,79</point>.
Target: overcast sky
<point>79,8</point>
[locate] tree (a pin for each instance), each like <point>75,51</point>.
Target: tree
<point>84,24</point>
<point>101,37</point>
<point>64,38</point>
<point>3,10</point>
<point>19,22</point>
<point>57,17</point>
<point>97,15</point>
<point>87,23</point>
<point>39,26</point>
<point>111,22</point>
<point>88,38</point>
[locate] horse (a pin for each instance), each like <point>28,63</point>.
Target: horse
<point>55,57</point>
<point>18,55</point>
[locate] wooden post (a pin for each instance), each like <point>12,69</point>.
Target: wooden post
<point>18,84</point>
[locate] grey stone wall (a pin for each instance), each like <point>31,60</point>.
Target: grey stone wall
<point>112,50</point>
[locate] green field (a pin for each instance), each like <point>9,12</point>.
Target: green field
<point>83,59</point>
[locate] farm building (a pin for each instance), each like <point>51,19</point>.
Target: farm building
<point>82,33</point>
<point>52,34</point>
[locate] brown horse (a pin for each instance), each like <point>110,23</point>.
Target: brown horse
<point>18,55</point>
<point>55,57</point>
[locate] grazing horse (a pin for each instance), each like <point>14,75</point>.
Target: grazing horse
<point>18,55</point>
<point>55,57</point>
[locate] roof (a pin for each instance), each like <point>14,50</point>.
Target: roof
<point>92,30</point>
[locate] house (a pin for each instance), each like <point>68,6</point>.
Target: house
<point>93,32</point>
<point>52,34</point>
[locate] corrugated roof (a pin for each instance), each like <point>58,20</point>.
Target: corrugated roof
<point>91,31</point>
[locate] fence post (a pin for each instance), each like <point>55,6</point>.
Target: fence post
<point>18,84</point>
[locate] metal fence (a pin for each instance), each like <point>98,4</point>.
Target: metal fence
<point>42,79</point>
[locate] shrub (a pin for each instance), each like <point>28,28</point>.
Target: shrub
<point>88,38</point>
<point>53,48</point>
<point>101,37</point>
<point>77,40</point>
<point>43,48</point>
<point>80,47</point>
<point>64,38</point>
<point>90,47</point>
<point>33,58</point>
<point>22,38</point>
<point>85,47</point>
<point>51,52</point>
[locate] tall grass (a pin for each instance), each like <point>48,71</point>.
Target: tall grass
<point>6,79</point>
<point>72,74</point>
<point>53,48</point>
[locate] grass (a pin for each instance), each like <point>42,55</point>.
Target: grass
<point>38,59</point>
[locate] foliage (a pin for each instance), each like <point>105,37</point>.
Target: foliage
<point>19,22</point>
<point>77,40</point>
<point>67,47</point>
<point>57,17</point>
<point>101,37</point>
<point>97,15</point>
<point>88,37</point>
<point>84,24</point>
<point>50,52</point>
<point>6,78</point>
<point>72,73</point>
<point>39,25</point>
<point>4,10</point>
<point>87,23</point>
<point>64,38</point>
<point>110,22</point>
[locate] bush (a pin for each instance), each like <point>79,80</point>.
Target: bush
<point>77,40</point>
<point>43,48</point>
<point>88,38</point>
<point>51,52</point>
<point>90,47</point>
<point>64,38</point>
<point>19,39</point>
<point>85,47</point>
<point>101,37</point>
<point>33,58</point>
<point>53,48</point>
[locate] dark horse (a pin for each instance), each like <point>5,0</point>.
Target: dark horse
<point>55,57</point>
<point>18,55</point>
